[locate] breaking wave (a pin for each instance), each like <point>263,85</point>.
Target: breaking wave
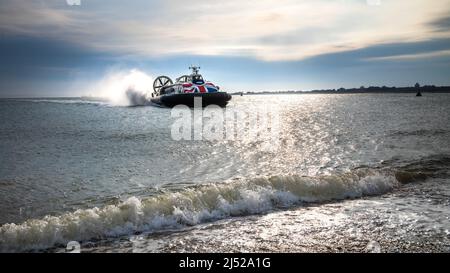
<point>192,206</point>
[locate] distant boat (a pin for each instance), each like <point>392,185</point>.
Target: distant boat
<point>419,94</point>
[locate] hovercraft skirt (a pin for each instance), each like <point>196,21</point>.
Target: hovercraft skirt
<point>170,100</point>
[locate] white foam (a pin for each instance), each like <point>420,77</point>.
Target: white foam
<point>125,88</point>
<point>190,206</point>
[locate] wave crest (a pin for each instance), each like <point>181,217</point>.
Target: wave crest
<point>192,206</point>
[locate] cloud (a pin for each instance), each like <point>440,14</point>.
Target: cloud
<point>413,57</point>
<point>441,24</point>
<point>36,18</point>
<point>264,29</point>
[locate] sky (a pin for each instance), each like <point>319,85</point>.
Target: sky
<point>66,47</point>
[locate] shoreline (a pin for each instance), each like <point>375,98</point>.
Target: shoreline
<point>376,224</point>
<point>343,91</point>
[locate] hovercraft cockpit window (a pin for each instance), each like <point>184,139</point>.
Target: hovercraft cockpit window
<point>197,79</point>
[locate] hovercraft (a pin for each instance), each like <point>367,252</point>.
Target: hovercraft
<point>185,89</point>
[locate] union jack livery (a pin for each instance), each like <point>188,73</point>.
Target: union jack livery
<point>208,87</point>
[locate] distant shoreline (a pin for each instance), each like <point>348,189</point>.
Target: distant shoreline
<point>368,90</point>
<point>361,90</point>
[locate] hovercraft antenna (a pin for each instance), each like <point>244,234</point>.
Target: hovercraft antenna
<point>194,69</point>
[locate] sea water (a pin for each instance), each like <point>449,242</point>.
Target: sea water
<point>83,169</point>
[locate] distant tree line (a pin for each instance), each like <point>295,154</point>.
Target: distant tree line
<point>362,89</point>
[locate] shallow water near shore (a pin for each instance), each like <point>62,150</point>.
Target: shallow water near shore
<point>353,172</point>
<point>404,221</point>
